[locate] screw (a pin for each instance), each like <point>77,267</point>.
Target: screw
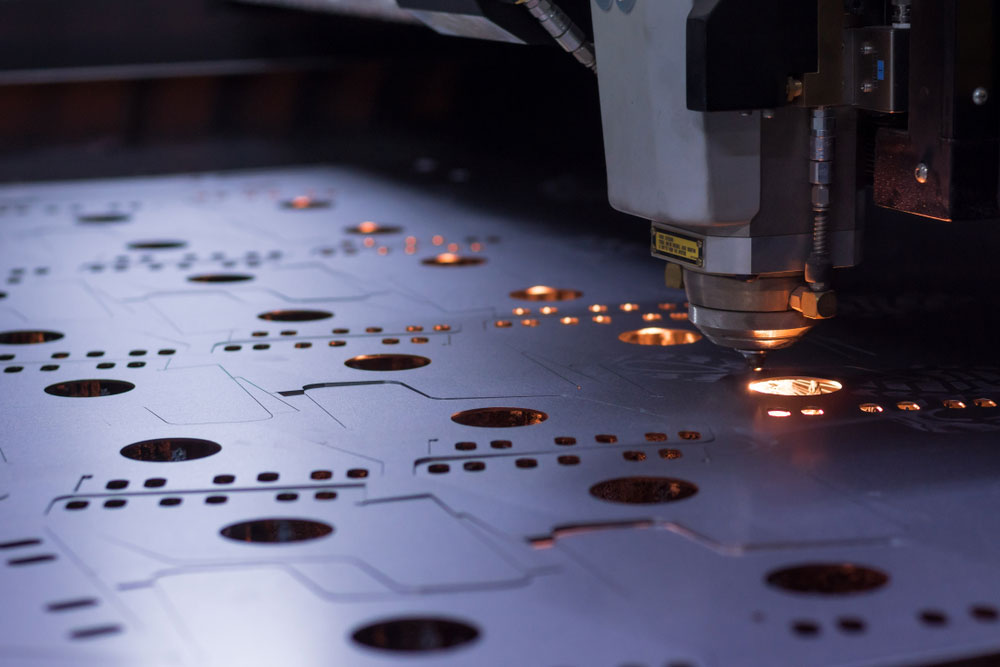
<point>867,49</point>
<point>920,173</point>
<point>867,87</point>
<point>979,96</point>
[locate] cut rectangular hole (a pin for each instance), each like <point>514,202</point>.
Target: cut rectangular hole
<point>70,605</point>
<point>31,560</point>
<point>17,544</point>
<point>96,631</point>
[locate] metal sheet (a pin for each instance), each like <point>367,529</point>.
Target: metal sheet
<point>492,545</point>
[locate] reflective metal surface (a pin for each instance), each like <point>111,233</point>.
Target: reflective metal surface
<point>238,431</point>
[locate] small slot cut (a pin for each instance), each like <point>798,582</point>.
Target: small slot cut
<point>31,560</point>
<point>95,631</point>
<point>17,544</point>
<point>71,605</point>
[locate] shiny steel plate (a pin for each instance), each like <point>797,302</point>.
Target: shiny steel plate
<point>207,458</point>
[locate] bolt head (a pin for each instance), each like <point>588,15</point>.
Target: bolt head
<point>979,96</point>
<point>921,173</point>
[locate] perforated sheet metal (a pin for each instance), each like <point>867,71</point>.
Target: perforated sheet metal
<point>225,471</point>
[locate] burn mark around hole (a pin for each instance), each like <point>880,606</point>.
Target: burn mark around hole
<point>499,417</point>
<point>659,336</point>
<point>89,388</point>
<point>828,578</point>
<point>276,531</point>
<point>170,450</point>
<point>451,259</point>
<point>643,490</point>
<point>546,293</point>
<point>386,362</point>
<point>416,634</point>
<point>26,337</point>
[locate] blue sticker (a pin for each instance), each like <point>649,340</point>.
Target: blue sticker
<point>881,70</point>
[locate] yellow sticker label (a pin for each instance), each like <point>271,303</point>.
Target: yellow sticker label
<point>688,250</point>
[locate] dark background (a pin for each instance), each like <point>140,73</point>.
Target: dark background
<point>117,88</point>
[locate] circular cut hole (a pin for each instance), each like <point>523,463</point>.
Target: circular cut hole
<point>984,612</point>
<point>416,634</point>
<point>933,617</point>
<point>28,337</point>
<point>159,244</point>
<point>659,336</point>
<point>546,293</point>
<point>295,315</point>
<point>828,578</point>
<point>870,408</point>
<point>386,362</point>
<point>276,531</point>
<point>89,388</point>
<point>220,278</point>
<point>170,450</point>
<point>368,228</point>
<point>633,455</point>
<point>451,259</point>
<point>99,218</point>
<point>795,386</point>
<point>805,628</point>
<point>499,417</point>
<point>643,490</point>
<point>474,466</point>
<point>305,202</point>
<point>851,624</point>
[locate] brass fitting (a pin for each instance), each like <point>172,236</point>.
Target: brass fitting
<point>814,305</point>
<point>674,276</point>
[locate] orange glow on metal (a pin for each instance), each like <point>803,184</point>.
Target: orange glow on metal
<point>570,320</point>
<point>369,242</point>
<point>437,239</point>
<point>529,323</point>
<point>779,413</point>
<point>521,311</point>
<point>984,403</point>
<point>368,227</point>
<point>598,308</point>
<point>452,247</point>
<point>629,307</point>
<point>548,310</point>
<point>442,327</point>
<point>678,316</point>
<point>953,404</point>
<point>383,250</point>
<point>602,319</point>
<point>871,408</point>
<point>475,247</point>
<point>658,336</point>
<point>652,317</point>
<point>302,201</point>
<point>907,405</point>
<point>795,386</point>
<point>502,324</point>
<point>812,412</point>
<point>667,306</point>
